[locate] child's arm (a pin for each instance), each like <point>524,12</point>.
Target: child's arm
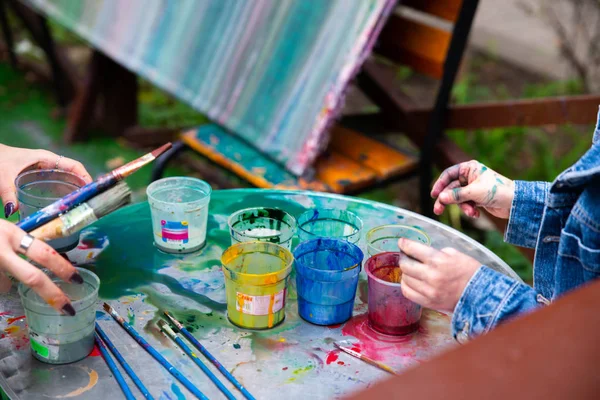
<point>447,280</point>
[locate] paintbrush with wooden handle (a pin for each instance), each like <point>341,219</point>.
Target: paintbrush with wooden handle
<point>85,214</point>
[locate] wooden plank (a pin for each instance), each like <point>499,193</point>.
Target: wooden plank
<point>374,155</point>
<point>235,155</point>
<point>445,9</point>
<point>417,45</point>
<point>527,112</point>
<point>342,174</point>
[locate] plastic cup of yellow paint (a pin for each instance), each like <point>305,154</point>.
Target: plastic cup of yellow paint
<point>56,338</point>
<point>385,238</point>
<point>261,224</point>
<point>329,223</point>
<point>256,279</point>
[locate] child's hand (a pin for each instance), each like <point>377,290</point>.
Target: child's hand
<point>472,185</point>
<point>433,278</point>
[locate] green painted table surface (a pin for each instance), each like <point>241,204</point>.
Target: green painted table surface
<point>295,358</point>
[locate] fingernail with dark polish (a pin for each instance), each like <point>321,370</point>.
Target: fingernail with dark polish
<point>69,310</point>
<point>76,278</point>
<point>9,209</point>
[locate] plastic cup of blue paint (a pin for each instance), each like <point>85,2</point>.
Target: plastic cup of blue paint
<point>327,272</point>
<point>329,223</point>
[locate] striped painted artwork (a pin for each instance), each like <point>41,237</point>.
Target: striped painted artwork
<point>271,71</point>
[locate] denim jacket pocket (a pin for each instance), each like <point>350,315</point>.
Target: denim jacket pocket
<point>574,255</point>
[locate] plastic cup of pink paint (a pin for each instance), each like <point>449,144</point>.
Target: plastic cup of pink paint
<point>390,312</point>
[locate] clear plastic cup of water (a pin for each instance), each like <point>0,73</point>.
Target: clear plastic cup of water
<point>179,208</point>
<point>40,188</point>
<point>56,338</point>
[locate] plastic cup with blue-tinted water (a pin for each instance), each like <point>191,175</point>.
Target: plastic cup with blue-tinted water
<point>40,188</point>
<point>56,338</point>
<point>262,224</point>
<point>179,208</point>
<point>385,238</point>
<point>329,223</point>
<point>327,272</point>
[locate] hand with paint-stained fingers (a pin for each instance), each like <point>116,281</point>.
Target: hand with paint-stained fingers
<point>434,278</point>
<point>14,160</point>
<point>472,185</point>
<point>14,241</point>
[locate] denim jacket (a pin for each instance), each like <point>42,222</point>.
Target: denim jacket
<point>561,220</point>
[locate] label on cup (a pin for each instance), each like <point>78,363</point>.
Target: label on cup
<point>260,305</point>
<point>175,231</point>
<point>47,348</point>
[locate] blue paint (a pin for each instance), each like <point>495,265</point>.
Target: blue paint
<point>327,273</point>
<point>101,316</point>
<point>177,392</point>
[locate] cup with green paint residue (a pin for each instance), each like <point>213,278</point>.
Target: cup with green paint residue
<point>57,338</point>
<point>385,238</point>
<point>262,224</point>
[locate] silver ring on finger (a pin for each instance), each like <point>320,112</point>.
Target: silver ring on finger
<point>57,161</point>
<point>25,243</point>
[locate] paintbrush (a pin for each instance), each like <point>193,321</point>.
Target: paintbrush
<point>170,333</point>
<point>157,356</point>
<point>124,364</point>
<point>113,368</point>
<point>210,357</point>
<point>85,214</point>
<point>365,359</point>
<point>88,191</point>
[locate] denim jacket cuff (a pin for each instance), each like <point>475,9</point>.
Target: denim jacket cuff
<point>480,307</point>
<point>526,213</point>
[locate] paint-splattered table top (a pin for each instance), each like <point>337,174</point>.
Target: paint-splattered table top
<point>295,358</point>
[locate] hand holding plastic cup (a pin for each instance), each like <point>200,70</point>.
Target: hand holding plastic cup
<point>56,338</point>
<point>179,208</point>
<point>40,188</point>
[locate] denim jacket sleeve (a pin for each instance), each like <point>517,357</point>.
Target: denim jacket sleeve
<point>526,213</point>
<point>489,299</point>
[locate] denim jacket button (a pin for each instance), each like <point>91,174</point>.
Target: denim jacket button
<point>462,337</point>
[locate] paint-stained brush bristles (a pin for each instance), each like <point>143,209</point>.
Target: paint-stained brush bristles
<point>85,214</point>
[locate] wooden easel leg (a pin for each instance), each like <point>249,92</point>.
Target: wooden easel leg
<point>83,107</point>
<point>8,38</point>
<point>119,95</point>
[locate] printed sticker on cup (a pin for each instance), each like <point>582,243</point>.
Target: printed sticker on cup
<point>260,305</point>
<point>175,231</point>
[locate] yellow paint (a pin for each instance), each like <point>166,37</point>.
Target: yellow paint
<point>12,329</point>
<point>281,340</point>
<point>271,302</point>
<point>92,382</point>
<point>256,299</point>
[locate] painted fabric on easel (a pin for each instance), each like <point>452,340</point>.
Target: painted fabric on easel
<point>272,71</point>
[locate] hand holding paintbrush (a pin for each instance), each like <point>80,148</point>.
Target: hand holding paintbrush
<point>85,214</point>
<point>88,191</point>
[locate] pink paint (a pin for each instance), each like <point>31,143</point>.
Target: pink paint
<point>95,352</point>
<point>332,357</point>
<point>284,368</point>
<point>15,319</point>
<point>399,352</point>
<point>341,363</point>
<point>4,313</point>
